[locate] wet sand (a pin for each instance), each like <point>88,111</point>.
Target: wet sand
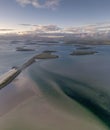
<point>31,109</point>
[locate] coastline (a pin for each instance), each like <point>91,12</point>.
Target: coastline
<point>9,76</point>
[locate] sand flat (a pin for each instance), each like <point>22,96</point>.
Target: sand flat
<point>34,111</point>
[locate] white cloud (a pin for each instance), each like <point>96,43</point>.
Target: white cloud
<point>40,3</point>
<point>5,30</point>
<point>47,28</point>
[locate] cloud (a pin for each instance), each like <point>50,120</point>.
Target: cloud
<point>53,4</point>
<point>46,28</point>
<point>5,30</point>
<point>25,24</point>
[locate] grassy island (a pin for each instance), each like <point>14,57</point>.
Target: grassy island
<point>83,52</point>
<point>46,55</point>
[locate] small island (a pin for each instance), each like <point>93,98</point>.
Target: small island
<point>24,49</point>
<point>82,47</point>
<point>83,52</point>
<point>46,55</point>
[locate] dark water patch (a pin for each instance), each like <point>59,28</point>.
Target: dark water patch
<point>85,100</point>
<point>95,100</point>
<point>45,86</point>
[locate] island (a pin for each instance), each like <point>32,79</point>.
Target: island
<point>46,55</point>
<point>82,47</point>
<point>24,49</point>
<point>83,52</point>
<point>9,76</point>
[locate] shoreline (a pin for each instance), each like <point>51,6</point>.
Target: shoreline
<point>9,76</point>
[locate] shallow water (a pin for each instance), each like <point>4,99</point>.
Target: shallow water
<point>29,105</point>
<point>68,93</point>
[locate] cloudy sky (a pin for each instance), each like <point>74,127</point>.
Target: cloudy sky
<point>25,15</point>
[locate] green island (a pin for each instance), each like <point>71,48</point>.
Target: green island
<point>46,55</point>
<point>6,78</point>
<point>83,52</point>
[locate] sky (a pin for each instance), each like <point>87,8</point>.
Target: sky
<point>26,15</point>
